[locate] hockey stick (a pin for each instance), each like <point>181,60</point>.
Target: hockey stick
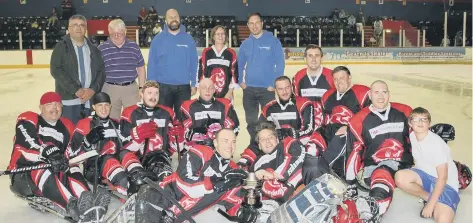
<point>75,160</point>
<point>171,199</point>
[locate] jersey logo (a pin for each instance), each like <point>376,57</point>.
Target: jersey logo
<point>390,149</point>
<point>211,62</point>
<point>265,159</point>
<point>182,45</point>
<point>209,172</point>
<point>155,143</point>
<point>159,122</point>
<point>284,115</point>
<point>313,92</point>
<point>299,160</point>
<point>386,128</point>
<point>265,47</point>
<point>203,115</point>
<point>341,115</point>
<point>218,77</point>
<point>46,131</point>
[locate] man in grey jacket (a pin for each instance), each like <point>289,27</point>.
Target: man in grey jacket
<point>78,69</point>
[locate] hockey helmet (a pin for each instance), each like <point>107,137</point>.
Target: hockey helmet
<point>464,175</point>
<point>347,213</point>
<point>445,131</point>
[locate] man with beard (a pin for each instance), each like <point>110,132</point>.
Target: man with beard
<point>378,146</point>
<point>340,104</point>
<point>146,125</point>
<point>260,61</point>
<point>173,63</point>
<point>205,177</point>
<point>206,115</point>
<point>99,130</point>
<point>295,115</point>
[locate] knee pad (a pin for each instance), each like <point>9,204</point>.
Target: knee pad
<point>21,184</point>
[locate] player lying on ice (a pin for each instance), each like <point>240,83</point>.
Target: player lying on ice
<point>204,177</point>
<point>117,166</point>
<point>43,138</point>
<point>206,115</point>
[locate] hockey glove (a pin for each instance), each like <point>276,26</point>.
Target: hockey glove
<point>176,138</point>
<point>53,155</point>
<point>287,131</point>
<point>95,135</point>
<point>196,134</point>
<point>212,129</point>
<point>247,214</point>
<point>225,185</point>
<point>237,174</point>
<point>143,131</point>
<point>352,192</point>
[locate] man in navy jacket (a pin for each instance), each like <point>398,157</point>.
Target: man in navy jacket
<point>173,63</point>
<point>261,56</point>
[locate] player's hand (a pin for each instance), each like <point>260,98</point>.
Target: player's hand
<point>243,86</point>
<point>270,88</point>
<point>143,131</point>
<point>193,91</point>
<point>428,210</point>
<point>341,131</point>
<point>95,135</point>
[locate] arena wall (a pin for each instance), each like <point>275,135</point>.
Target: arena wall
<point>294,56</point>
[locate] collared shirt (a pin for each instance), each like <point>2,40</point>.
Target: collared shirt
<point>121,62</point>
<point>87,68</point>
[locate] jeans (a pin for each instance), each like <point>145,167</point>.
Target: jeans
<point>173,96</point>
<point>252,97</point>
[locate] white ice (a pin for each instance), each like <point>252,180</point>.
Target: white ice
<point>445,90</point>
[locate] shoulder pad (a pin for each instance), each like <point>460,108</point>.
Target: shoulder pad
<point>265,108</point>
<point>361,93</point>
<point>68,124</point>
<point>28,116</point>
<point>204,152</point>
<point>126,114</point>
<point>327,94</point>
<point>406,109</point>
<point>83,126</point>
<point>168,109</point>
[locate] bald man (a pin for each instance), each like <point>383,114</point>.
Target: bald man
<point>203,116</point>
<point>173,63</point>
<point>378,136</point>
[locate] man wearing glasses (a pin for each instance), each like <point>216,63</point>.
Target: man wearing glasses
<point>78,69</point>
<point>123,63</point>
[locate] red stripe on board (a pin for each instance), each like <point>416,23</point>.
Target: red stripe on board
<point>29,57</point>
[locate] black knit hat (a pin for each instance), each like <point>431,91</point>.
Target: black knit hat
<point>101,97</point>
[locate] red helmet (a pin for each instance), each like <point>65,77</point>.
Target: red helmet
<point>347,213</point>
<point>464,175</point>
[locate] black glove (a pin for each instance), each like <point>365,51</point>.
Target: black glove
<point>189,134</point>
<point>225,185</point>
<point>352,192</point>
<point>287,132</point>
<point>56,158</point>
<point>237,174</point>
<point>95,135</point>
<point>247,214</point>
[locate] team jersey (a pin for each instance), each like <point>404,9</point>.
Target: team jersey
<point>33,134</point>
<point>221,67</point>
<point>313,89</point>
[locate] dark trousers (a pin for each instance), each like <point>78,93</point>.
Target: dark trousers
<point>75,112</point>
<point>173,96</point>
<point>253,99</point>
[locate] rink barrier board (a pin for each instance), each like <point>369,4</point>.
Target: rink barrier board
<point>294,56</point>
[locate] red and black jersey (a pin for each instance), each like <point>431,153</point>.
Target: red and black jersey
<point>221,67</point>
<point>298,113</point>
<point>110,145</point>
<point>195,113</point>
<point>382,135</point>
<point>32,134</point>
<point>338,108</point>
<point>312,88</point>
<point>137,114</point>
<point>286,159</point>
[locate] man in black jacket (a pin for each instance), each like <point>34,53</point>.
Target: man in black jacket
<point>78,69</point>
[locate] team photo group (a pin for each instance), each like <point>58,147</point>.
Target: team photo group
<point>160,135</point>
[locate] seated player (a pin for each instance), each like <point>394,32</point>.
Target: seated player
<point>43,138</point>
<point>206,115</point>
<point>100,132</point>
<point>378,146</point>
<point>280,165</point>
<point>146,126</point>
<point>295,115</point>
<point>204,177</point>
<point>340,104</point>
<point>435,175</point>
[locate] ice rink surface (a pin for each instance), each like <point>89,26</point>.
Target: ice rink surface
<point>445,90</point>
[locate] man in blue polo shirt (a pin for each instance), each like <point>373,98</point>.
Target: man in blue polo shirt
<point>173,62</point>
<point>123,63</point>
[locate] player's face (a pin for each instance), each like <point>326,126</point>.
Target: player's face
<point>51,111</point>
<point>225,144</point>
<point>219,37</point>
<point>267,141</point>
<point>206,90</point>
<point>255,25</point>
<point>173,20</point>
<point>419,123</point>
<point>313,58</point>
<point>283,89</point>
<point>77,28</point>
<point>102,109</point>
<point>150,97</point>
<point>117,36</point>
<point>379,95</point>
<point>342,81</point>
